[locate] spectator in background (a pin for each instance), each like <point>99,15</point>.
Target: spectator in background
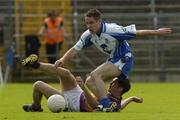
<point>32,44</point>
<point>52,31</point>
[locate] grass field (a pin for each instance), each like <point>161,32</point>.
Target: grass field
<point>161,102</point>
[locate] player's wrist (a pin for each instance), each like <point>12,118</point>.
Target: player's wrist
<point>156,32</point>
<point>84,87</point>
<point>131,98</point>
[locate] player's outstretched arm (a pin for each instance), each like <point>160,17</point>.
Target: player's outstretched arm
<point>135,99</point>
<point>67,56</point>
<point>160,31</point>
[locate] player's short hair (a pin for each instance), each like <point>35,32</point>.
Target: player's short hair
<point>93,13</point>
<point>124,83</point>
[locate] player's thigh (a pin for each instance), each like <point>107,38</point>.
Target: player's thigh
<point>46,89</point>
<point>67,79</point>
<point>107,71</point>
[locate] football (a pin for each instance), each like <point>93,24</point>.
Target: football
<point>56,103</point>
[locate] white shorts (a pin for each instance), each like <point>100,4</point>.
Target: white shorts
<point>72,98</point>
<point>124,65</point>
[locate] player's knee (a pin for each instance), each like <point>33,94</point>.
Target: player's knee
<point>62,72</point>
<point>67,72</point>
<point>37,84</point>
<point>93,76</point>
<point>88,81</point>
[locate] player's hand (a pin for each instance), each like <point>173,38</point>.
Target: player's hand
<point>164,31</point>
<point>59,63</point>
<point>137,99</point>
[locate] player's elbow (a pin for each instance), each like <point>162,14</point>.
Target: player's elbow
<point>67,72</point>
<point>94,75</point>
<point>91,78</point>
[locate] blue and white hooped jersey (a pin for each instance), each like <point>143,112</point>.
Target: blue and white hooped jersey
<point>111,41</point>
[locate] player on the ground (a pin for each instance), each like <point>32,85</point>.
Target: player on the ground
<point>111,39</point>
<point>76,94</point>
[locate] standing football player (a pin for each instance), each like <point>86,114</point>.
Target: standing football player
<point>110,39</point>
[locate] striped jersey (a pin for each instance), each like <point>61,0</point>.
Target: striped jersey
<point>112,40</point>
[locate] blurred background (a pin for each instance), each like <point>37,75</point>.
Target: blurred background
<point>157,59</point>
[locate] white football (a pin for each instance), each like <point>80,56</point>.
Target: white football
<point>56,103</point>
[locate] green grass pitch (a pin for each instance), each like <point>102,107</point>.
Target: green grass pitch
<point>161,102</point>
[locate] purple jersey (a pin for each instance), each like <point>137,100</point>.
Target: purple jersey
<point>116,102</point>
<point>83,105</point>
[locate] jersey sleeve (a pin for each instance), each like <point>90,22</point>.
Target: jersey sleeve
<point>123,33</point>
<point>130,29</point>
<point>84,41</point>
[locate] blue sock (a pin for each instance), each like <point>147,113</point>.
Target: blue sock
<point>106,102</point>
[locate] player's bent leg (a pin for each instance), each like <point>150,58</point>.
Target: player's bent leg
<point>104,72</point>
<point>43,88</point>
<point>39,88</point>
<point>67,79</point>
<point>93,86</point>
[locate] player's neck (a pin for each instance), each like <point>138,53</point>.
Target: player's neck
<point>114,97</point>
<point>99,31</point>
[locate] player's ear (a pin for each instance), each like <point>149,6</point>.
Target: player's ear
<point>120,90</point>
<point>99,20</point>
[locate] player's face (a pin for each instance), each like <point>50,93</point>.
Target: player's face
<point>92,24</point>
<point>115,88</point>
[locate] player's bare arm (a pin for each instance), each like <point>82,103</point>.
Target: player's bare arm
<point>67,56</point>
<point>160,31</point>
<point>135,99</point>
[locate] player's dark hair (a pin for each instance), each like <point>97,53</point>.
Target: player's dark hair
<point>124,83</point>
<point>93,13</point>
